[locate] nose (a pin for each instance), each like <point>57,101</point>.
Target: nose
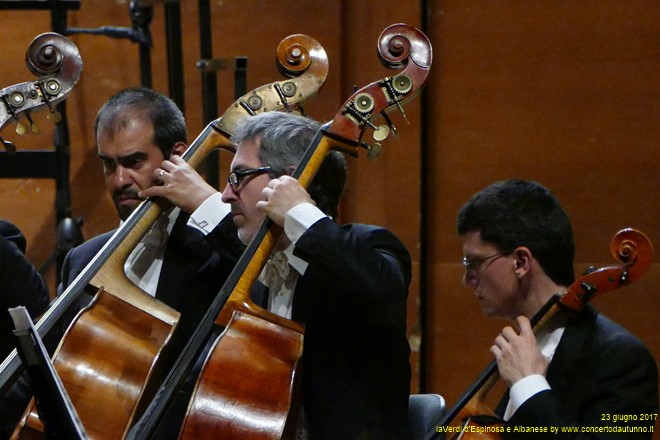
<point>228,194</point>
<point>122,177</point>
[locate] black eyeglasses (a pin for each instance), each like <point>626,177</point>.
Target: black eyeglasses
<point>472,265</point>
<point>235,179</point>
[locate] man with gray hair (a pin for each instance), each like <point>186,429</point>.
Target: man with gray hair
<point>347,284</point>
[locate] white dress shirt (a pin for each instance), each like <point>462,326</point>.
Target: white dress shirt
<point>144,264</point>
<point>276,274</point>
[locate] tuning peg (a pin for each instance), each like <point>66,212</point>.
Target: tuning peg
<point>9,146</point>
<point>33,127</point>
<point>21,129</point>
<point>54,116</point>
<point>381,133</point>
<point>373,151</point>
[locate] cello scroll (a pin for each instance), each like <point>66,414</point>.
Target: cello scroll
<point>632,249</point>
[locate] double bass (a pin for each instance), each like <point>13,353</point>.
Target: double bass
<point>247,386</point>
<point>111,357</point>
<point>471,415</point>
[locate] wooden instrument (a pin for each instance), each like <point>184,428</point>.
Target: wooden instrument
<point>56,61</point>
<point>246,389</point>
<point>110,359</point>
<point>635,253</point>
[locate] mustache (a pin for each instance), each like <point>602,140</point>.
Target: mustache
<point>122,194</point>
<point>235,209</point>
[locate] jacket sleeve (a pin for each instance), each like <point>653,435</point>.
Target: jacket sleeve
<point>367,262</point>
<point>20,283</point>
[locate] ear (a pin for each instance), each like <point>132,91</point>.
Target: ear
<point>178,148</point>
<point>522,261</point>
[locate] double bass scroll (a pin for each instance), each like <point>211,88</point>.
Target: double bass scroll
<point>56,62</point>
<point>304,62</point>
<point>631,248</point>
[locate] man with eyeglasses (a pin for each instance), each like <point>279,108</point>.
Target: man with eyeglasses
<point>346,283</point>
<point>579,371</point>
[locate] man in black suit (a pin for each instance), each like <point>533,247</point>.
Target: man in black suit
<point>346,283</point>
<point>20,285</point>
<point>581,374</point>
<point>139,131</point>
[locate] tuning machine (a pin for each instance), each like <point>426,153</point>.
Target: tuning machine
<point>396,87</point>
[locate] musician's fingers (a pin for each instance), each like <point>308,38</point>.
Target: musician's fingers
<point>500,341</point>
<point>152,191</point>
<point>508,333</point>
<point>260,206</point>
<point>525,325</point>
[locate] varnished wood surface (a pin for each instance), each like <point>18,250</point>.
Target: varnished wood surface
<point>562,92</point>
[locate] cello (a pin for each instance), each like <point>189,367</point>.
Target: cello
<point>247,386</point>
<point>629,247</point>
<point>111,357</point>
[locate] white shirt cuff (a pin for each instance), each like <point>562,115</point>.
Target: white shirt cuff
<point>300,218</point>
<point>526,388</point>
<point>209,214</point>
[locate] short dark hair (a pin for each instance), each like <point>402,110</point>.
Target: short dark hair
<point>284,139</point>
<point>166,118</point>
<point>516,212</point>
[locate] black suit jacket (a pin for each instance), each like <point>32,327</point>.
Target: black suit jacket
<point>598,371</point>
<point>352,301</point>
<point>20,285</point>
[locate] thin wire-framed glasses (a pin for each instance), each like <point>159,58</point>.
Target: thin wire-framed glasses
<point>472,265</point>
<point>235,178</point>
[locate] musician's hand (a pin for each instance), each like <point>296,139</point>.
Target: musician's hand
<point>180,184</point>
<point>280,195</point>
<point>518,355</point>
